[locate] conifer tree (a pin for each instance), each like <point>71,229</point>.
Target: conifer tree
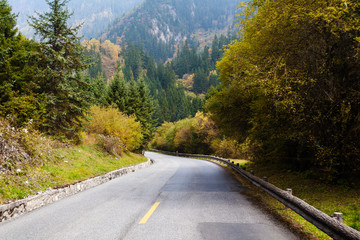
<point>144,112</point>
<point>98,90</point>
<point>215,51</point>
<point>201,84</point>
<point>133,99</point>
<point>64,92</point>
<point>117,93</point>
<point>17,99</point>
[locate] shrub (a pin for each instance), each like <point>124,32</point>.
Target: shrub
<point>227,148</point>
<point>112,145</point>
<point>113,126</point>
<point>182,138</point>
<point>161,139</point>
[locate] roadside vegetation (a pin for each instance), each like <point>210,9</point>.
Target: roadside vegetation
<point>197,135</point>
<point>290,86</point>
<point>328,198</point>
<point>31,161</point>
<point>53,131</point>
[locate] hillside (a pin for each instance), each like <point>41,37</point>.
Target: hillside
<point>159,25</point>
<point>96,14</point>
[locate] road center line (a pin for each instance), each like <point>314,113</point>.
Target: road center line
<point>149,213</point>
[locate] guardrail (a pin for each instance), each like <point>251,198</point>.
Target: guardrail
<point>332,226</point>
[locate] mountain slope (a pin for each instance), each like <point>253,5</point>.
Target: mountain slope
<point>96,14</point>
<point>160,24</point>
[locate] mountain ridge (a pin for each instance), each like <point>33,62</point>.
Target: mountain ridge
<point>158,25</point>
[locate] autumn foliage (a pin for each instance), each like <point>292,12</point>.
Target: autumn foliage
<point>115,131</point>
<point>291,84</point>
<point>196,135</point>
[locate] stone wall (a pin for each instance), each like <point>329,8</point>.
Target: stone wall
<point>28,204</point>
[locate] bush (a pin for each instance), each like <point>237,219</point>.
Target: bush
<point>20,147</point>
<point>112,145</point>
<point>115,128</point>
<point>227,148</point>
<point>190,135</point>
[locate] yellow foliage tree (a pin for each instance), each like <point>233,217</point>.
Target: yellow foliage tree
<point>116,125</point>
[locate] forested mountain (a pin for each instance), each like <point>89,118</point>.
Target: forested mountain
<point>96,14</point>
<point>178,87</point>
<point>159,25</point>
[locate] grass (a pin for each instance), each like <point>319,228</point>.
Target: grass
<point>328,198</point>
<point>241,162</point>
<point>65,166</point>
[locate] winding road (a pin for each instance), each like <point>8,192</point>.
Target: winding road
<point>175,198</point>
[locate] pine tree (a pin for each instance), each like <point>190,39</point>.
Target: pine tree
<point>117,93</point>
<point>98,90</point>
<point>8,36</point>
<point>144,112</point>
<point>201,84</point>
<point>215,51</point>
<point>17,98</point>
<point>64,92</point>
<point>214,80</point>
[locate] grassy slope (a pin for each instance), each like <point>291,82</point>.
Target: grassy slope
<point>325,197</point>
<point>64,166</point>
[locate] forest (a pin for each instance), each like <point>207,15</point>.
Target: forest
<point>53,83</point>
<point>290,93</point>
<point>160,25</point>
<point>280,94</point>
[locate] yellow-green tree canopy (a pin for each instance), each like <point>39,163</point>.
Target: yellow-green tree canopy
<point>292,82</point>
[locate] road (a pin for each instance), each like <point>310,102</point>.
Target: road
<point>175,198</point>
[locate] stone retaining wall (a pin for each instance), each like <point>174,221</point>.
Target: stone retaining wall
<point>28,204</point>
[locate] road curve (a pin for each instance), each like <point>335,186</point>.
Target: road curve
<point>175,198</point>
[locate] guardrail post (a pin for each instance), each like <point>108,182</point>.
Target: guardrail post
<point>238,165</point>
<point>252,172</point>
<point>289,191</point>
<point>338,216</point>
<point>265,178</point>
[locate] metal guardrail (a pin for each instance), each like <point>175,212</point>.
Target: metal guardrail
<point>329,225</point>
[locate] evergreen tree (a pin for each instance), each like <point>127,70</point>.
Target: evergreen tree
<point>133,102</point>
<point>133,62</point>
<point>144,112</point>
<point>17,83</point>
<point>213,80</point>
<point>205,59</point>
<point>64,92</point>
<point>201,84</point>
<point>96,67</point>
<point>117,93</point>
<point>196,105</point>
<point>215,51</point>
<point>98,90</point>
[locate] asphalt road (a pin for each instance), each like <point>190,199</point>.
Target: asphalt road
<point>175,198</point>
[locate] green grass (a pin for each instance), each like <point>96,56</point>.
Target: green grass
<point>65,166</point>
<point>241,162</point>
<point>328,198</point>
